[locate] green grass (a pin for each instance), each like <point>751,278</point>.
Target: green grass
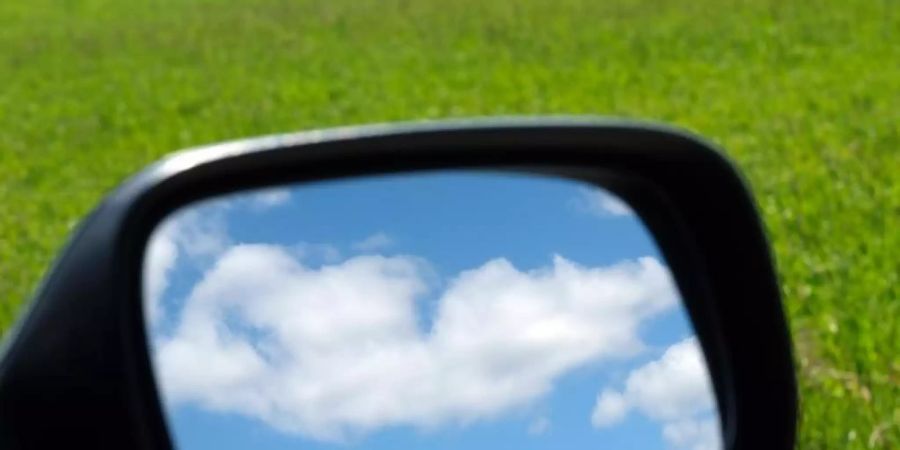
<point>805,96</point>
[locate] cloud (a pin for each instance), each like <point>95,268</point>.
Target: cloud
<point>601,203</point>
<point>339,351</point>
<point>377,241</point>
<point>539,426</point>
<point>200,231</point>
<point>674,390</point>
<point>158,263</point>
<point>269,198</point>
<point>318,252</point>
<point>694,434</point>
<point>611,408</point>
<point>197,234</point>
<point>674,386</point>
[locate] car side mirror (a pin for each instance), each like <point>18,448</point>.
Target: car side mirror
<point>417,276</point>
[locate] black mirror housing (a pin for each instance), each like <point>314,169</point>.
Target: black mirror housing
<point>76,368</point>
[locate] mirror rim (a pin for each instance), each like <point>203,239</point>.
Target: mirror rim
<point>688,195</point>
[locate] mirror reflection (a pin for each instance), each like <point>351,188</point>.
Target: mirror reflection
<point>438,310</point>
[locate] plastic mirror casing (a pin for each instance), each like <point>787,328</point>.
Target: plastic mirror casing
<point>76,369</point>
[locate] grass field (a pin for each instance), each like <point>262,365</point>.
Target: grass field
<point>805,96</point>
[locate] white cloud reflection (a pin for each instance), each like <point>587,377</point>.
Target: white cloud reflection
<point>674,390</point>
<point>601,203</point>
<point>375,242</point>
<point>198,235</point>
<point>269,198</point>
<point>337,351</point>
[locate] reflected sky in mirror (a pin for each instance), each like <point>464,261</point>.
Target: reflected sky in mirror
<point>442,311</point>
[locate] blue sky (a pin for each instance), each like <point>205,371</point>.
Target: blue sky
<point>441,310</point>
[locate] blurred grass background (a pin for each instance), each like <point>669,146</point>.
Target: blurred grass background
<point>805,96</point>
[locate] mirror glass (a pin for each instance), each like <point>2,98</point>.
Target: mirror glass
<point>444,310</point>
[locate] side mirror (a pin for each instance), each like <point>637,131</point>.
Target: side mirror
<point>343,344</point>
